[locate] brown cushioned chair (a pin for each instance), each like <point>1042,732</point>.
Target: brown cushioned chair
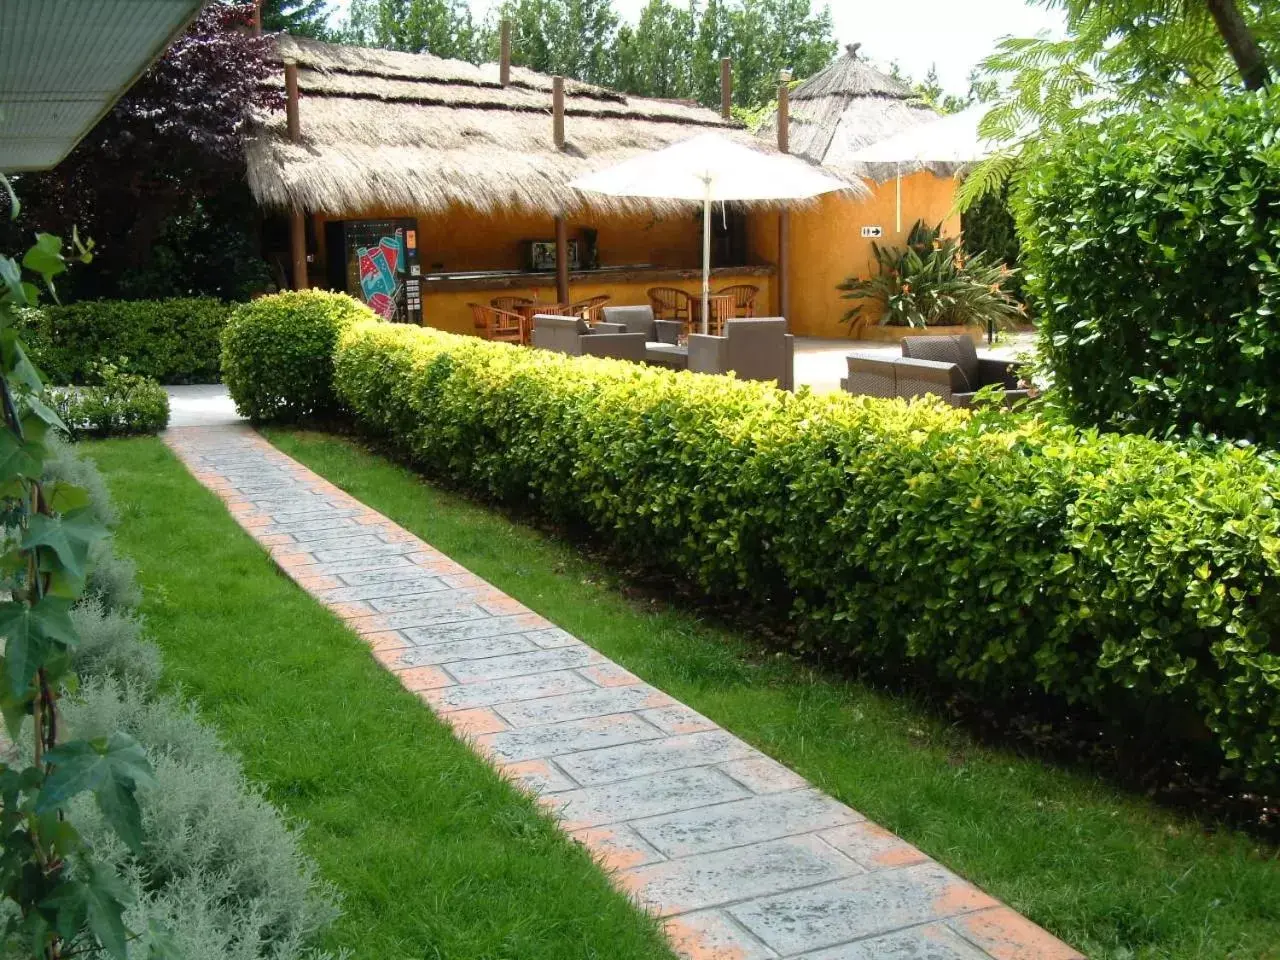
<point>573,336</point>
<point>750,349</point>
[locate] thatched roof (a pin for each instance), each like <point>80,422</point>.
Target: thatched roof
<point>847,106</point>
<point>382,130</point>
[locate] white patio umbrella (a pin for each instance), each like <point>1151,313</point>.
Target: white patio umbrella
<point>950,139</point>
<point>711,168</point>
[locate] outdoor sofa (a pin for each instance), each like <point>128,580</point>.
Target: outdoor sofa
<point>572,335</point>
<point>947,367</point>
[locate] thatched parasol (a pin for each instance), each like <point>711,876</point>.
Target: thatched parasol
<point>850,105</point>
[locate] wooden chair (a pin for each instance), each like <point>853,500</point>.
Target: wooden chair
<point>721,307</point>
<point>744,299</point>
<point>590,309</point>
<point>494,324</point>
<point>671,303</point>
<point>509,304</point>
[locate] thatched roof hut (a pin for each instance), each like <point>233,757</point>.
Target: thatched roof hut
<point>847,106</point>
<point>382,130</point>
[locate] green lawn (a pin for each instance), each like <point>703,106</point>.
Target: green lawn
<point>435,855</point>
<point>1108,872</point>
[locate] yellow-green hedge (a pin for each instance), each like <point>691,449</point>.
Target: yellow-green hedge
<point>1006,558</point>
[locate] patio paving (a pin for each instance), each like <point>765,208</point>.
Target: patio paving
<point>741,857</point>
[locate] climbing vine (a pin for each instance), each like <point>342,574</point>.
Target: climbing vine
<point>56,900</point>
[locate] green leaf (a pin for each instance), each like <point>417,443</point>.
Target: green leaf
<point>64,497</point>
<point>112,768</point>
<point>105,897</point>
<point>45,257</point>
<point>68,536</point>
<point>29,633</point>
<point>18,458</point>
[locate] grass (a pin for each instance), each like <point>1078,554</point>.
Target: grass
<point>435,855</point>
<point>1111,873</point>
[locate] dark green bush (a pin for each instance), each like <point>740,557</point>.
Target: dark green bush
<point>1008,558</point>
<point>277,353</point>
<point>118,404</point>
<point>1151,244</point>
<point>172,341</point>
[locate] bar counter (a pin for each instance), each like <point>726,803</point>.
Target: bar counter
<point>461,280</point>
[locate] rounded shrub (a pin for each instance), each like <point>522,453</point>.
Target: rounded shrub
<point>1018,561</point>
<point>277,353</point>
<point>1152,246</point>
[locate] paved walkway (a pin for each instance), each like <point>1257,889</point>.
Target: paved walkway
<point>742,857</point>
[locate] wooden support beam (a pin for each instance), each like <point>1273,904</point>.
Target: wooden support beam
<point>562,259</point>
<point>298,248</point>
<point>504,62</point>
<point>557,111</point>
<point>291,101</point>
<point>726,87</point>
<point>257,17</point>
<point>298,220</point>
<point>784,216</point>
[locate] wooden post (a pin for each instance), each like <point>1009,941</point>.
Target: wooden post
<point>298,247</point>
<point>784,216</point>
<point>504,63</point>
<point>298,222</point>
<point>257,17</point>
<point>726,87</point>
<point>557,111</point>
<point>562,260</point>
<point>291,100</point>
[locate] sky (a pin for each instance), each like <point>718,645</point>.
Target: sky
<point>953,34</point>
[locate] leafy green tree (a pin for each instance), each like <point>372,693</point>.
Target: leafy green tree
<point>1119,56</point>
<point>569,38</point>
<point>302,18</point>
<point>768,36</point>
<point>444,28</point>
<point>656,57</point>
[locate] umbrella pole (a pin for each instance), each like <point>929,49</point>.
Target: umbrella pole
<point>706,257</point>
<point>897,169</point>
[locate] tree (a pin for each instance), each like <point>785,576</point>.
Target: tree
<point>1119,56</point>
<point>302,18</point>
<point>569,38</point>
<point>444,28</point>
<point>171,143</point>
<point>656,57</point>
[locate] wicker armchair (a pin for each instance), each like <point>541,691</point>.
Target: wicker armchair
<point>756,349</point>
<point>744,298</point>
<point>590,309</point>
<point>671,303</point>
<point>494,324</point>
<point>510,304</point>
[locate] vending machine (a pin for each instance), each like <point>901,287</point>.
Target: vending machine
<point>382,267</point>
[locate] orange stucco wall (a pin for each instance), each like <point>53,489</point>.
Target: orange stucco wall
<point>827,244</point>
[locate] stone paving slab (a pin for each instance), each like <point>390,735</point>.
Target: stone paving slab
<point>741,857</point>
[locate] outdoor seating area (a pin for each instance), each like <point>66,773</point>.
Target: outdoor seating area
<point>946,367</point>
<point>750,349</point>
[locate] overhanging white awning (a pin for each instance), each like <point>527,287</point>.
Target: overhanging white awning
<point>64,63</point>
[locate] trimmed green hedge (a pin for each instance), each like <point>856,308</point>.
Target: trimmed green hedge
<point>1150,242</point>
<point>277,353</point>
<point>122,404</point>
<point>1003,557</point>
<point>172,341</point>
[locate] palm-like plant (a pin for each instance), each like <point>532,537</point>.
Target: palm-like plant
<point>932,282</point>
